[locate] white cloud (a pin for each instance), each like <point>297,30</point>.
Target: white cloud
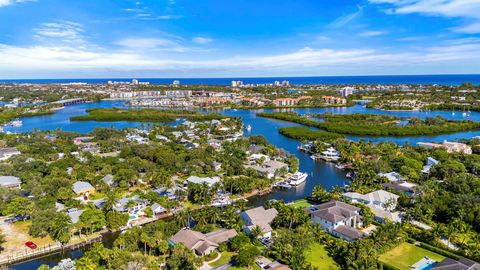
<point>472,28</point>
<point>202,40</point>
<point>468,10</point>
<point>60,31</point>
<point>4,3</point>
<point>372,33</point>
<point>449,58</point>
<point>346,19</point>
<point>165,44</point>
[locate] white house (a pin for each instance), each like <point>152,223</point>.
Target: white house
<point>139,205</point>
<point>381,202</point>
<point>338,218</point>
<point>200,180</point>
<point>379,198</point>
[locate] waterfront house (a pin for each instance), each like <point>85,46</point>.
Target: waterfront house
<point>10,182</point>
<point>74,214</point>
<point>260,217</point>
<point>157,209</point>
<point>338,218</point>
<point>269,168</point>
<point>451,147</point>
<point>83,188</point>
<point>202,244</point>
<point>200,180</point>
<point>6,153</point>
<point>334,100</point>
<point>122,205</point>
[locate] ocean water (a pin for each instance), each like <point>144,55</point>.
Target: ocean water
<point>447,79</point>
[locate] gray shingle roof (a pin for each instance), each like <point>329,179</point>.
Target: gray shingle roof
<point>333,211</point>
<point>349,232</point>
<point>260,217</point>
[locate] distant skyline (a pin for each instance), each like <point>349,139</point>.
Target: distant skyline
<point>237,38</point>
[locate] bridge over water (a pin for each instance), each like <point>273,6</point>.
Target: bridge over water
<point>72,101</point>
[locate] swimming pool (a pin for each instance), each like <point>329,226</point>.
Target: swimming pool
<point>424,264</point>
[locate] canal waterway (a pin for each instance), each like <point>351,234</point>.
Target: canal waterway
<point>320,173</point>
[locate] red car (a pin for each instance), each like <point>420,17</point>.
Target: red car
<point>31,245</point>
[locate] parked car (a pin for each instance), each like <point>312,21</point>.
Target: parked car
<point>31,245</point>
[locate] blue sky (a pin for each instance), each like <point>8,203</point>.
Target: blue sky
<point>234,38</point>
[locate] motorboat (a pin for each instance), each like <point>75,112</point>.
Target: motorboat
<point>297,178</point>
<point>330,154</point>
<point>249,128</point>
<point>283,184</point>
<point>16,123</point>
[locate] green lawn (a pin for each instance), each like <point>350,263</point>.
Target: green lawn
<point>318,257</point>
<point>407,254</point>
<point>301,203</point>
<point>226,257</point>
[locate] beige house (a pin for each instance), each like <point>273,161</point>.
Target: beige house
<point>260,217</point>
<point>202,244</point>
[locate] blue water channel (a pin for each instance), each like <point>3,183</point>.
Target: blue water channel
<point>320,173</point>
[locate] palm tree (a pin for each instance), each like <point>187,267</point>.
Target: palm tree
<point>319,194</point>
<point>214,214</point>
<point>144,238</point>
<point>183,217</point>
<point>85,263</point>
<point>256,231</point>
<point>110,200</point>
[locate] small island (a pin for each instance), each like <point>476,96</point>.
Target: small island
<point>375,124</point>
<point>144,115</point>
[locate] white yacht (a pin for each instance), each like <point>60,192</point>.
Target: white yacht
<point>330,154</point>
<point>297,178</point>
<point>16,123</point>
<point>249,128</point>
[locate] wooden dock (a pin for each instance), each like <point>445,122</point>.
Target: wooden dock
<point>28,255</point>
